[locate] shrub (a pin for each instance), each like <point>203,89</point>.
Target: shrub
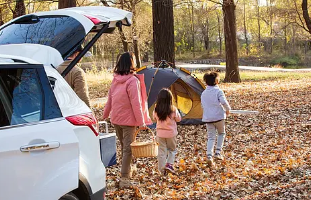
<point>286,61</point>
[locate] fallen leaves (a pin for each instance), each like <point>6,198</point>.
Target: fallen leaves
<point>267,156</point>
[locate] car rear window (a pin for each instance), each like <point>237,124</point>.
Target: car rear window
<point>60,32</point>
<point>26,96</point>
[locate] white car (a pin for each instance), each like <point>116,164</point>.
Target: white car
<point>49,143</point>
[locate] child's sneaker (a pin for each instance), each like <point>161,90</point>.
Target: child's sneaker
<point>210,162</point>
<point>169,167</point>
<point>218,156</point>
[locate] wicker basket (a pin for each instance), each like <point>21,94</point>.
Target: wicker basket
<point>144,149</point>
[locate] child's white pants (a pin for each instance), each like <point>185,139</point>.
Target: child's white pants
<point>166,151</point>
<point>213,129</point>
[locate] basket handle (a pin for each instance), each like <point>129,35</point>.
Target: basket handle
<point>106,125</point>
<point>143,128</point>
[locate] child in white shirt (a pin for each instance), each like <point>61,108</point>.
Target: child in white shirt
<point>215,109</point>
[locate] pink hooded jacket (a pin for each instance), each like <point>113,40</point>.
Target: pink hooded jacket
<point>127,101</point>
<point>167,128</point>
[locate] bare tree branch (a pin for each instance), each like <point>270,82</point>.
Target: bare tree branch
<point>305,14</point>
<point>215,2</point>
<point>296,8</point>
<point>302,26</point>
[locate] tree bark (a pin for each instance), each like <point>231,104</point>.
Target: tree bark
<point>305,14</point>
<point>269,7</point>
<point>259,27</point>
<point>232,68</point>
<point>285,37</point>
<point>163,30</point>
<point>192,30</point>
<point>1,16</point>
<point>245,30</point>
<point>124,40</point>
<point>66,3</point>
<point>206,37</point>
<point>135,37</point>
<point>20,8</point>
<point>219,35</point>
<point>137,51</point>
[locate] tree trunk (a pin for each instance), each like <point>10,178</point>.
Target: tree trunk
<point>163,30</point>
<point>124,40</point>
<point>20,8</point>
<point>245,30</point>
<point>146,57</point>
<point>285,37</point>
<point>137,51</point>
<point>1,16</point>
<point>66,3</point>
<point>293,49</point>
<point>206,37</point>
<point>259,27</point>
<point>135,37</point>
<point>232,68</point>
<point>192,30</point>
<point>219,35</point>
<point>305,13</point>
<point>271,37</point>
<point>269,6</point>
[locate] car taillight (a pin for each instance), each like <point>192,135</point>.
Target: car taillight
<point>85,120</point>
<point>93,19</point>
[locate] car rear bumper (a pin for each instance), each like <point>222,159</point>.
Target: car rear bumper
<point>99,195</point>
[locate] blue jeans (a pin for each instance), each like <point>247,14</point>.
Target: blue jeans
<point>213,130</point>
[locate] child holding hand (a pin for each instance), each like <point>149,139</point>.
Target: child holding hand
<point>166,116</point>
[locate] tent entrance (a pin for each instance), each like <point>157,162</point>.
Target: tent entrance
<point>182,97</point>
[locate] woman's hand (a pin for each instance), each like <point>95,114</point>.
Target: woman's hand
<point>107,119</point>
<point>143,127</point>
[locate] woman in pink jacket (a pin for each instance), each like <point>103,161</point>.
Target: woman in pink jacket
<point>127,107</point>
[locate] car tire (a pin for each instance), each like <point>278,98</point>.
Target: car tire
<point>69,196</point>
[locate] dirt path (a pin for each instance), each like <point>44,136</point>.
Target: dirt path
<point>247,68</point>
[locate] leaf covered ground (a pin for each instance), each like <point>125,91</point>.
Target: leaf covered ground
<point>267,156</point>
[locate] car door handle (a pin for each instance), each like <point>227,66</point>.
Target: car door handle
<point>40,147</point>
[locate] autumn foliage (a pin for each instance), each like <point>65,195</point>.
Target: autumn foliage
<point>267,156</point>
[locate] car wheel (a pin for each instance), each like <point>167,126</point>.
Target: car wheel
<point>69,196</point>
